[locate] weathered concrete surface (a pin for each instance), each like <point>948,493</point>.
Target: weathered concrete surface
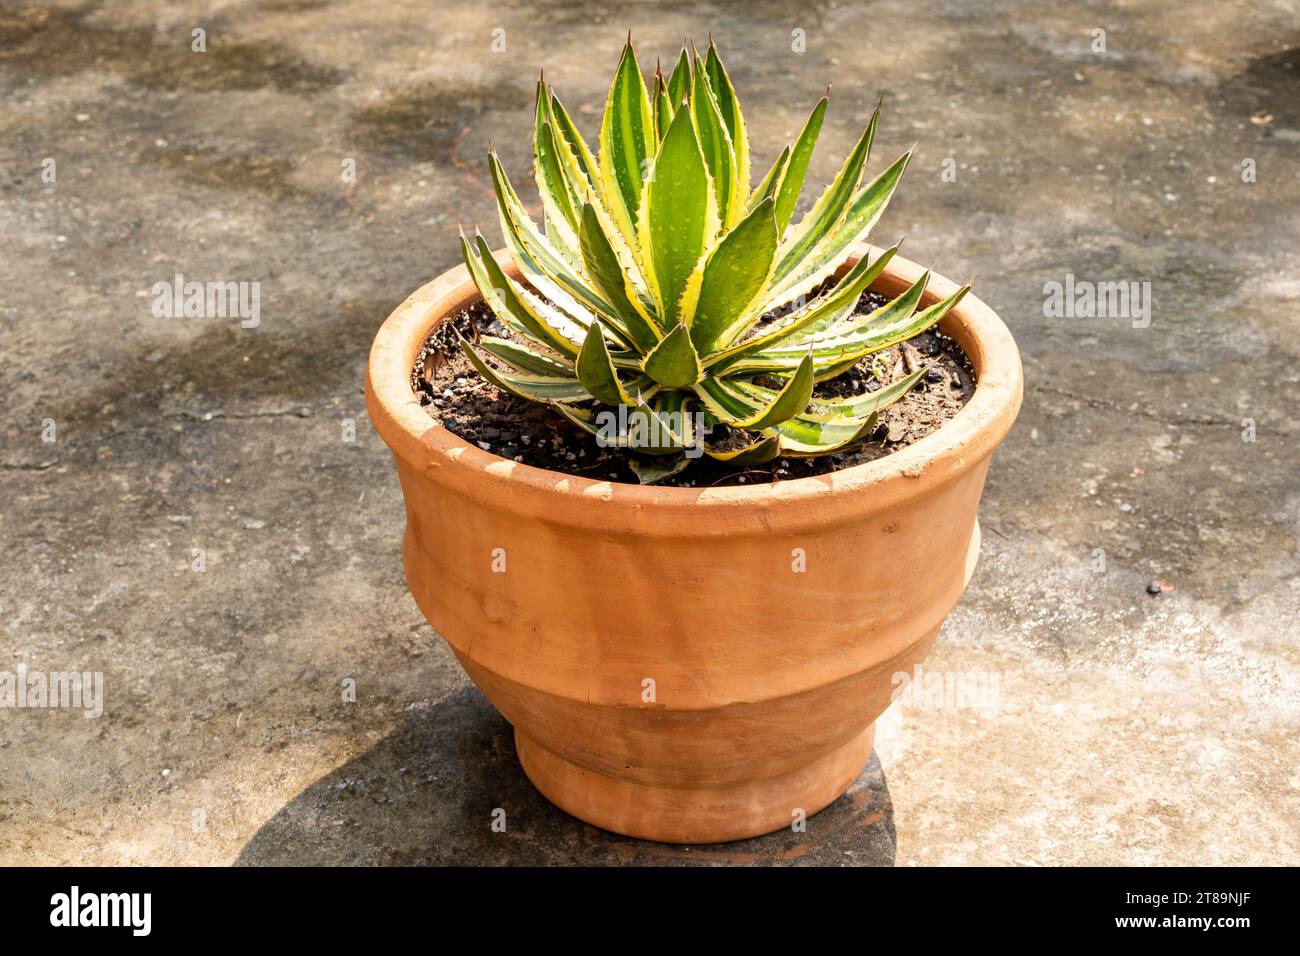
<point>1129,729</point>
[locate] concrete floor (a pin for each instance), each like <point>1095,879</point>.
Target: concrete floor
<point>1129,729</point>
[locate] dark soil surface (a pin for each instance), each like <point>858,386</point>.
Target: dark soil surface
<point>457,397</point>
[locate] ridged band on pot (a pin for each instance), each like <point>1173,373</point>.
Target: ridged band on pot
<point>681,652</point>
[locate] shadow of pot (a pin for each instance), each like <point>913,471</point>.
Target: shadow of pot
<point>444,788</point>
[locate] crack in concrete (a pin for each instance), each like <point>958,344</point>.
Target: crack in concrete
<point>221,413</point>
<point>1153,415</point>
<point>201,417</point>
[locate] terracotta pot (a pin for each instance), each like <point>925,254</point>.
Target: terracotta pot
<point>766,680</point>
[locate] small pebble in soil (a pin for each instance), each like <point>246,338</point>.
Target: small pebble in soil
<point>1154,588</point>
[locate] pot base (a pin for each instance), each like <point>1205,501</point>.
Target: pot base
<point>684,815</point>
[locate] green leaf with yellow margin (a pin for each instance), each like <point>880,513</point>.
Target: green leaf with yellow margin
<point>674,362</point>
<point>679,216</point>
<point>627,137</point>
<point>596,371</point>
<point>735,273</point>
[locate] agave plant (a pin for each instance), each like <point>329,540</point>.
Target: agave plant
<point>663,284</point>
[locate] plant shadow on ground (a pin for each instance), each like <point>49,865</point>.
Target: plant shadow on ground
<point>426,794</point>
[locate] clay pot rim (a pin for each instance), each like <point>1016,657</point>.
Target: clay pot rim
<point>910,472</point>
